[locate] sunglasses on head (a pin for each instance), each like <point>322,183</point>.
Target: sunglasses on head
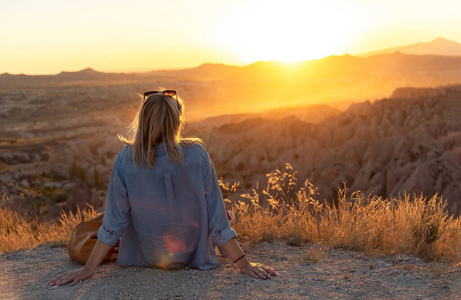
<point>170,93</point>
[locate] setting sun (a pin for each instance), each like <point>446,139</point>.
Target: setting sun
<point>264,31</point>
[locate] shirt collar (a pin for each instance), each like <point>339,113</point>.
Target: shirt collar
<point>160,148</point>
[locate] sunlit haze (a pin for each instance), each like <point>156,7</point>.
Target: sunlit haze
<point>46,37</point>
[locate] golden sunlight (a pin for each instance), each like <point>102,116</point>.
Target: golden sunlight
<point>269,31</point>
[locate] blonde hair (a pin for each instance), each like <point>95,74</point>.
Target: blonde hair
<point>160,119</point>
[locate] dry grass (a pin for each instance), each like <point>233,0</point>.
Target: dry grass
<point>286,210</point>
<point>410,225</point>
<point>18,232</point>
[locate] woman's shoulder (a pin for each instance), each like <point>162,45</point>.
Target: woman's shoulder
<point>195,149</point>
<point>126,150</point>
<point>124,154</point>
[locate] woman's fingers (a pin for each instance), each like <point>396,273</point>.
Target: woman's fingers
<point>253,274</point>
<point>251,271</point>
<point>270,270</point>
<point>65,279</point>
<point>260,273</point>
<point>58,278</point>
<point>60,281</point>
<point>73,276</point>
<point>76,280</point>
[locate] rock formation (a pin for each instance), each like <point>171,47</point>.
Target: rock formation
<point>409,143</point>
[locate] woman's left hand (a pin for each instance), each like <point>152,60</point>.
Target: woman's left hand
<point>73,277</point>
<point>100,251</point>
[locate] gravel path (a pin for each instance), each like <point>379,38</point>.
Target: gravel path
<point>306,272</point>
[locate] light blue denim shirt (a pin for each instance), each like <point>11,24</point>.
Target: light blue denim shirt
<point>170,215</point>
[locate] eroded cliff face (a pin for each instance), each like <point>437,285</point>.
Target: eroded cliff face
<point>409,143</point>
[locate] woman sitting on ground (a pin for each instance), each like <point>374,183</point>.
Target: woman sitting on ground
<point>164,202</point>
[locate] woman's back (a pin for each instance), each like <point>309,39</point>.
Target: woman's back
<point>172,210</point>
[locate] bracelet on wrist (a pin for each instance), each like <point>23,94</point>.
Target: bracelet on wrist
<point>239,258</point>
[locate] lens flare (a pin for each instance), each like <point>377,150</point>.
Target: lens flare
<point>173,243</point>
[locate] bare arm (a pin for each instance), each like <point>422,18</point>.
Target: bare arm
<point>97,256</point>
<point>255,270</point>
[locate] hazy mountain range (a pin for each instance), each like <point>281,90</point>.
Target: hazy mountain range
<point>216,89</point>
<point>439,46</point>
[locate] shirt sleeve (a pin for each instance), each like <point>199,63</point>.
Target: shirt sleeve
<point>117,213</point>
<point>218,225</point>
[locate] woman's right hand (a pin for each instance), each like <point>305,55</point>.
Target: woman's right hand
<point>256,270</point>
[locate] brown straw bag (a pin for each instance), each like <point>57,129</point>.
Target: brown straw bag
<point>83,240</point>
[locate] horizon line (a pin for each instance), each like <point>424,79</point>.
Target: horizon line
<point>139,71</point>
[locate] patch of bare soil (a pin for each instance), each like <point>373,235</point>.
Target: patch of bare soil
<point>306,272</point>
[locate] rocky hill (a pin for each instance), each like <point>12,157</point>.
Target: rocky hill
<point>410,143</point>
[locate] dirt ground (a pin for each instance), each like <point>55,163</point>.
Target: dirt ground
<point>306,272</point>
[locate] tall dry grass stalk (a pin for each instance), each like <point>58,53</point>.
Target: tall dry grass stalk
<point>17,232</point>
<point>287,211</point>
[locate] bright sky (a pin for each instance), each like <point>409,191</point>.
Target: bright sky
<point>48,36</point>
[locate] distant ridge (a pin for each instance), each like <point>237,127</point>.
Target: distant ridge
<point>439,46</point>
<point>327,68</point>
<point>87,71</point>
<point>206,71</point>
<point>333,78</point>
